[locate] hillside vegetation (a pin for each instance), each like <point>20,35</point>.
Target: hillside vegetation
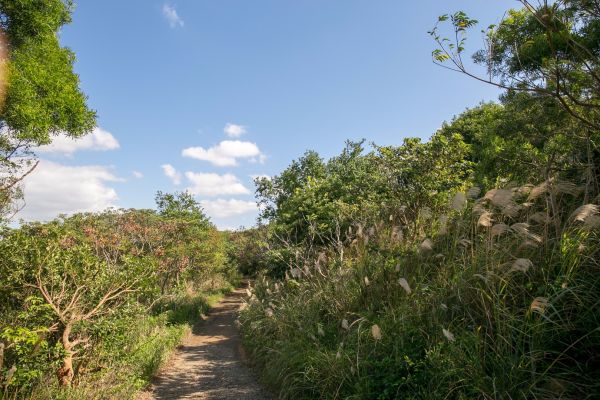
<point>90,305</point>
<point>463,267</point>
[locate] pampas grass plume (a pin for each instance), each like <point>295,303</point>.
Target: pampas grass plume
<point>465,242</point>
<point>376,332</point>
<point>537,191</point>
<point>567,188</point>
<point>485,219</point>
<point>448,335</point>
<point>592,222</point>
<point>540,218</point>
<point>473,192</point>
<point>500,197</point>
<point>345,324</point>
<point>499,229</point>
<point>521,265</point>
<point>404,283</point>
<point>539,305</point>
<point>522,228</point>
<point>478,208</point>
<point>459,201</point>
<point>511,210</point>
<point>443,221</point>
<point>426,246</point>
<point>585,211</point>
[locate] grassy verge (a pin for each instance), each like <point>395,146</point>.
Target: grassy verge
<point>474,314</point>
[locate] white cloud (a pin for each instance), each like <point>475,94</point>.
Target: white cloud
<point>260,159</point>
<point>171,173</point>
<point>98,140</point>
<point>208,184</point>
<point>226,153</point>
<point>222,208</point>
<point>137,174</point>
<point>228,228</point>
<point>234,131</point>
<point>260,176</point>
<point>53,189</point>
<point>171,15</point>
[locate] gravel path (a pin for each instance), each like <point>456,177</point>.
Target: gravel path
<point>208,364</point>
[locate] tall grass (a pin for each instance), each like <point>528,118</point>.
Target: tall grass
<point>504,309</point>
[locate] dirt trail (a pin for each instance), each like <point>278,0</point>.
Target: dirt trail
<point>208,364</point>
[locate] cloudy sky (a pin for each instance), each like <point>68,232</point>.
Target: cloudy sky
<point>204,95</point>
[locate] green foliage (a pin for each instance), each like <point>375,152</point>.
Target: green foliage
<point>426,172</point>
<point>100,299</point>
<point>42,97</point>
<point>247,250</point>
<point>313,203</point>
<point>191,248</point>
<point>180,205</point>
<point>548,49</point>
<point>380,276</point>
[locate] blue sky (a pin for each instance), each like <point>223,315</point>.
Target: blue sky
<point>286,75</point>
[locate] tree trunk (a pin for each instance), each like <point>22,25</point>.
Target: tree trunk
<point>65,373</point>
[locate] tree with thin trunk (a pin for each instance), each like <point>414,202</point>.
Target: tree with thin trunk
<point>83,268</point>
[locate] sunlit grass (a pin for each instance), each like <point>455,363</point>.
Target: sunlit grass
<point>510,312</point>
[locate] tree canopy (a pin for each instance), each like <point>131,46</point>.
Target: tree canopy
<point>43,96</point>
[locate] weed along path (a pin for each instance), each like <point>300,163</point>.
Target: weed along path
<point>208,364</point>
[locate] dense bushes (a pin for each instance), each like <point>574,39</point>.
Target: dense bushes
<point>247,250</point>
<point>98,299</point>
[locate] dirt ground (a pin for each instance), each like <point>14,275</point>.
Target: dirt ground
<point>209,363</point>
